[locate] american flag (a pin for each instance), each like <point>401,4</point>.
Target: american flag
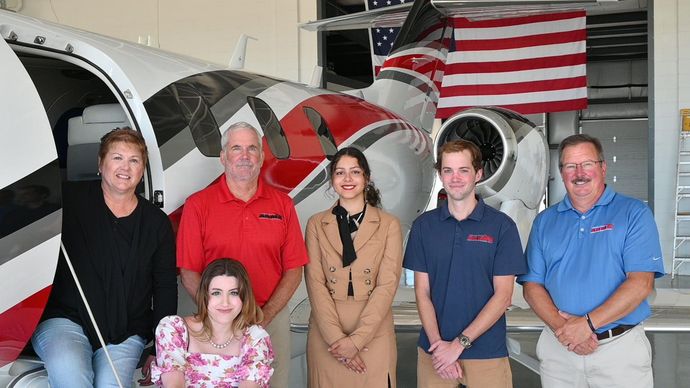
<point>530,64</point>
<point>382,38</point>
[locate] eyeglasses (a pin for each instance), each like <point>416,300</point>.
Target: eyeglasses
<point>587,165</point>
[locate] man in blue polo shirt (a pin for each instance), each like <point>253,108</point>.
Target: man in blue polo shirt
<point>465,256</point>
<point>592,262</point>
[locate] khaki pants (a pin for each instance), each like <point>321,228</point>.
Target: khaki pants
<point>624,361</point>
<point>279,330</point>
<point>490,373</point>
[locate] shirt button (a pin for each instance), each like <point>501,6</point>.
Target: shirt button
<point>333,280</point>
<point>332,269</point>
<point>331,292</point>
<point>582,229</point>
<point>369,292</point>
<point>366,271</point>
<point>367,282</point>
<point>583,217</point>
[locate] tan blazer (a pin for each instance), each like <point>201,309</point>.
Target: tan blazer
<point>375,273</point>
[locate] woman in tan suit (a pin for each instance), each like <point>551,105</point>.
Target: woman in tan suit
<point>355,252</point>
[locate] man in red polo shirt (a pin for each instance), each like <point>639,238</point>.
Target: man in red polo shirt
<point>242,217</point>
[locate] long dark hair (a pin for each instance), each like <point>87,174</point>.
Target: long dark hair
<point>371,193</point>
<point>251,313</point>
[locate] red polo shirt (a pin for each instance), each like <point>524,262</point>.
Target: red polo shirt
<point>263,233</point>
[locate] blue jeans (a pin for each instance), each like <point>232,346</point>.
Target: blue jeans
<point>70,362</point>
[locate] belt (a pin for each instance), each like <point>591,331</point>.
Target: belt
<point>610,333</point>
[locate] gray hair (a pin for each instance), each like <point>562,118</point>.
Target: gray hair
<point>580,138</point>
<point>236,127</point>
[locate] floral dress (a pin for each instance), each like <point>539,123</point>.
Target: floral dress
<point>204,370</point>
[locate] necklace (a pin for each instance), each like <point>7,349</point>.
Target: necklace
<point>221,346</point>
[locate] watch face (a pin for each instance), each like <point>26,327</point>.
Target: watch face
<point>465,342</point>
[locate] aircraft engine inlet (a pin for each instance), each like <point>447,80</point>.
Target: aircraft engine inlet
<point>515,159</point>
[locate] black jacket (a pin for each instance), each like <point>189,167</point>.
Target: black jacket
<point>130,287</point>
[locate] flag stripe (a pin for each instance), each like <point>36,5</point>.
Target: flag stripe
<point>521,41</point>
<point>518,87</point>
<point>552,50</point>
<point>540,68</point>
<point>517,21</point>
<point>531,108</point>
<point>516,31</point>
<point>516,98</point>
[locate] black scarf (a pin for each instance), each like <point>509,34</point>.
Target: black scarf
<point>346,226</point>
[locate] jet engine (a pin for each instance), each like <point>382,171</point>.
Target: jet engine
<point>515,160</point>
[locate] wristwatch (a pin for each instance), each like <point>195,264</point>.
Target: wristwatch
<point>465,341</point>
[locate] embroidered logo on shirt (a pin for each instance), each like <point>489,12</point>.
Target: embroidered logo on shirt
<point>601,228</point>
<point>270,216</point>
<point>485,238</point>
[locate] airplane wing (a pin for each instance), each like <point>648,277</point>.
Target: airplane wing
<point>392,16</point>
<point>395,15</point>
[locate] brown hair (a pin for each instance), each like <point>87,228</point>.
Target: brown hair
<point>574,140</point>
<point>123,135</point>
<point>459,146</point>
<point>251,313</point>
<point>371,193</point>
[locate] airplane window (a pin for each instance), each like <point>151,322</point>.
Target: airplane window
<point>273,131</point>
<point>202,124</point>
<point>322,131</point>
<point>175,108</point>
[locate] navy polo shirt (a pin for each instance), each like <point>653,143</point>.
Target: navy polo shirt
<point>461,259</point>
<point>582,258</point>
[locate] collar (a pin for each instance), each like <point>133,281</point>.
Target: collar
<point>225,195</point>
<point>476,215</point>
<point>372,214</point>
<point>605,198</point>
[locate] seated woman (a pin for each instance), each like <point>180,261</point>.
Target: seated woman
<point>355,252</point>
<point>221,345</point>
<point>123,252</point>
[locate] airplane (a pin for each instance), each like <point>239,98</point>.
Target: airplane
<point>64,88</point>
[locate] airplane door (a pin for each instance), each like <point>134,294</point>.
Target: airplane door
<point>30,206</point>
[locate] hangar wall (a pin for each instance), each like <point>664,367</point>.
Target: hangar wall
<point>670,77</point>
<point>206,29</point>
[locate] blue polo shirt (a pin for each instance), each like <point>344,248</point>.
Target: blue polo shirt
<point>461,259</point>
<point>582,258</point>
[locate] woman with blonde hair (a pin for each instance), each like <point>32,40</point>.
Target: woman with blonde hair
<point>222,344</point>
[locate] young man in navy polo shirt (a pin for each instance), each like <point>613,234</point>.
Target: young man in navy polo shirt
<point>592,260</point>
<point>465,256</point>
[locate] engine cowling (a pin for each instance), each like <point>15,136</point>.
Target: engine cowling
<point>515,159</point>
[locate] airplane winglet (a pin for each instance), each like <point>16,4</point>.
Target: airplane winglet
<point>316,77</point>
<point>238,56</point>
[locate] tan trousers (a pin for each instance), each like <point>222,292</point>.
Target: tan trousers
<point>491,373</point>
<point>624,361</point>
<point>279,330</point>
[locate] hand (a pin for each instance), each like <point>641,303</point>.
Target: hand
<point>574,332</point>
<point>344,348</point>
<point>146,371</point>
<point>356,364</point>
<point>445,353</point>
<point>452,372</point>
<point>268,318</point>
<point>587,347</point>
